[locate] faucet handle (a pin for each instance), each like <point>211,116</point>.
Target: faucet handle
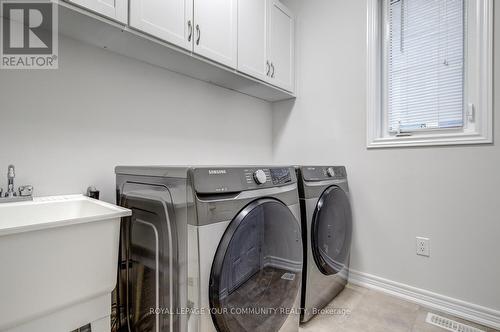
<point>25,191</point>
<point>11,173</point>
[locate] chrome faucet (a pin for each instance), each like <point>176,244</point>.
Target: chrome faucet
<point>11,174</point>
<point>24,193</point>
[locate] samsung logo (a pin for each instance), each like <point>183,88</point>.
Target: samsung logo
<point>216,171</point>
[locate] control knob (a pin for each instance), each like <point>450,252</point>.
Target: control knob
<point>330,172</point>
<point>260,176</point>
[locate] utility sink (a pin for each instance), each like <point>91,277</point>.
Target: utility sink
<point>58,258</point>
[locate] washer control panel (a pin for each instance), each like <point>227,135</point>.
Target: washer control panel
<point>320,173</point>
<point>269,176</point>
<point>236,179</point>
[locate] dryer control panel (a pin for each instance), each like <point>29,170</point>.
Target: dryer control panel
<point>236,179</point>
<point>321,173</point>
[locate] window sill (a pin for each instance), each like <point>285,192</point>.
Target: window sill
<point>428,140</point>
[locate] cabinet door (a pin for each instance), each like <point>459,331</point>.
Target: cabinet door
<point>252,38</point>
<point>281,46</point>
<point>216,30</point>
<point>169,20</point>
<point>114,9</point>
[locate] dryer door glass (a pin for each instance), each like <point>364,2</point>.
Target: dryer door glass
<point>331,231</point>
<point>256,274</point>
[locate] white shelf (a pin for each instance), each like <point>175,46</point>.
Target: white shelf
<point>89,28</point>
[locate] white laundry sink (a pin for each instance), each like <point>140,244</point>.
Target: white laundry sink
<point>58,259</point>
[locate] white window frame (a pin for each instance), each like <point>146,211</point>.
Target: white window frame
<point>478,125</point>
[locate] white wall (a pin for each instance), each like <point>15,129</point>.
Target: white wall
<point>450,194</point>
<point>66,129</point>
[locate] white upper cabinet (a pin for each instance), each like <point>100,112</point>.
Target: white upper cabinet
<point>169,20</point>
<point>252,38</point>
<point>114,9</point>
<point>216,30</point>
<point>281,46</point>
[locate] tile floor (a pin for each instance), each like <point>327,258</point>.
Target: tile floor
<point>372,311</point>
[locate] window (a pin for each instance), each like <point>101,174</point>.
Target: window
<point>425,65</point>
<point>429,72</point>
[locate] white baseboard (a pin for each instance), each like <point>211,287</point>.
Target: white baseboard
<point>461,309</point>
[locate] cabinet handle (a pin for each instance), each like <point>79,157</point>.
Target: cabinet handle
<point>198,31</point>
<point>268,66</point>
<point>272,66</point>
<point>190,29</point>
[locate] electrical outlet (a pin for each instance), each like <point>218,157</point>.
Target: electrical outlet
<point>423,246</point>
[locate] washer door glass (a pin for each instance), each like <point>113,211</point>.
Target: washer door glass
<point>331,231</point>
<point>256,273</point>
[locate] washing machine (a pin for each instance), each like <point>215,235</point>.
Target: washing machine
<point>210,249</point>
<point>327,230</point>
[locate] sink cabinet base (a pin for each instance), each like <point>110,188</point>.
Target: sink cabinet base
<point>59,279</point>
<point>96,311</point>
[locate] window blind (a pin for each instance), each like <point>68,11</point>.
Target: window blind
<point>425,66</point>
